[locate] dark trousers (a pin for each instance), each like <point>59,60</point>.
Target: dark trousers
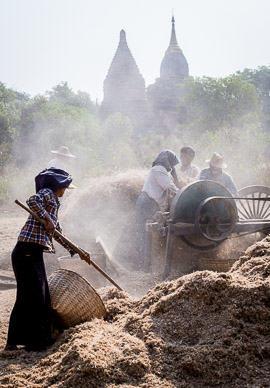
<point>146,208</point>
<point>30,320</point>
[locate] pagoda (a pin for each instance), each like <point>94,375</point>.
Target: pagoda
<point>124,88</point>
<point>164,94</point>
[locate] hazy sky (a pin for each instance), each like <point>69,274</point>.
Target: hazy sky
<point>45,42</point>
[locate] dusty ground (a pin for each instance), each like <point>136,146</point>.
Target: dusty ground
<point>201,330</point>
<point>12,219</point>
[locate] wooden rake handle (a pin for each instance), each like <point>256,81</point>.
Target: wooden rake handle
<point>71,244</point>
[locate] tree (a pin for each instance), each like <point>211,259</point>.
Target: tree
<point>116,144</point>
<point>48,124</point>
<point>10,103</point>
<point>10,110</point>
<point>260,78</point>
<point>62,94</point>
<point>208,104</point>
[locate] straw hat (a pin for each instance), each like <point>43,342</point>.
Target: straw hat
<point>71,186</point>
<point>64,151</point>
<point>216,161</point>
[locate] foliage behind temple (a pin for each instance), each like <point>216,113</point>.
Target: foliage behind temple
<point>222,115</point>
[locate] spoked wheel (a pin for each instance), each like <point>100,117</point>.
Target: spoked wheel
<point>215,218</point>
<point>254,209</point>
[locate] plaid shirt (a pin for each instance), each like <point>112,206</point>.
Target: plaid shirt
<point>42,203</point>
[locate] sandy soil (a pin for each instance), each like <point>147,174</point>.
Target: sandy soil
<point>204,329</point>
<point>11,221</point>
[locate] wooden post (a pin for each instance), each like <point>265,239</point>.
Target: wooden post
<point>169,252</point>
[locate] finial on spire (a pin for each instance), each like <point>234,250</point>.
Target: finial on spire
<point>173,42</point>
<point>122,35</point>
<point>173,17</point>
<point>123,41</point>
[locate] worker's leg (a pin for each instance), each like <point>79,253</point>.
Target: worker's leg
<point>145,210</point>
<point>169,252</point>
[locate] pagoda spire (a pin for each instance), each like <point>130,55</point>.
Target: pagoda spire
<point>173,46</point>
<point>174,66</point>
<point>123,40</point>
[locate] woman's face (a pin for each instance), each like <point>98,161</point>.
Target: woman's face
<point>60,192</point>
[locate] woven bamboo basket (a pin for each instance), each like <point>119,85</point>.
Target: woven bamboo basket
<point>217,265</point>
<point>73,299</point>
<point>82,268</point>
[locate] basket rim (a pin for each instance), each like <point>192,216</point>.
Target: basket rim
<point>79,276</point>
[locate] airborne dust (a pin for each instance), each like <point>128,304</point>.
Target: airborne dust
<point>197,330</point>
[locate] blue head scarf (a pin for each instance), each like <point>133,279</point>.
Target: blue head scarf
<point>52,178</point>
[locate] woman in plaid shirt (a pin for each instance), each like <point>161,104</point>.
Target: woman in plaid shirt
<point>30,320</point>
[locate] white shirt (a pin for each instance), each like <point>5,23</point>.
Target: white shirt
<point>187,175</point>
<point>157,185</point>
<point>191,171</point>
<point>57,163</point>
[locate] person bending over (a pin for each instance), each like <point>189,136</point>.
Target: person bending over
<point>31,318</point>
<point>155,194</point>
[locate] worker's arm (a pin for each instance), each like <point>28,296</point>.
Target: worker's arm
<point>37,204</point>
<point>163,180</point>
<point>175,178</point>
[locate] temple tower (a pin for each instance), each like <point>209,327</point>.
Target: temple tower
<point>174,66</point>
<point>124,87</point>
<point>164,93</point>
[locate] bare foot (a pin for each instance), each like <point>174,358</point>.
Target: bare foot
<point>10,347</point>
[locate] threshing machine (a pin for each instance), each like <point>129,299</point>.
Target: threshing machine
<point>204,214</point>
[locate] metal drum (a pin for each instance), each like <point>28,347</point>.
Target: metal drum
<point>209,207</point>
<point>187,200</point>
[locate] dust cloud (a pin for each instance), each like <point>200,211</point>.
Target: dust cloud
<point>109,177</point>
<point>105,208</point>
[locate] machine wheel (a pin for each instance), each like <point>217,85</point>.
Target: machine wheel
<point>253,209</point>
<point>215,218</point>
<point>184,207</point>
<point>199,243</point>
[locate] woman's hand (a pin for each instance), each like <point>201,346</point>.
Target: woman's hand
<point>49,225</point>
<point>85,256</point>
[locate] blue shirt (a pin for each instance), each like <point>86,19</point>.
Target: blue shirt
<point>224,178</point>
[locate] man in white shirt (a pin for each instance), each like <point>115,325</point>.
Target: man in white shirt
<point>155,194</point>
<point>62,158</point>
<point>187,172</point>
